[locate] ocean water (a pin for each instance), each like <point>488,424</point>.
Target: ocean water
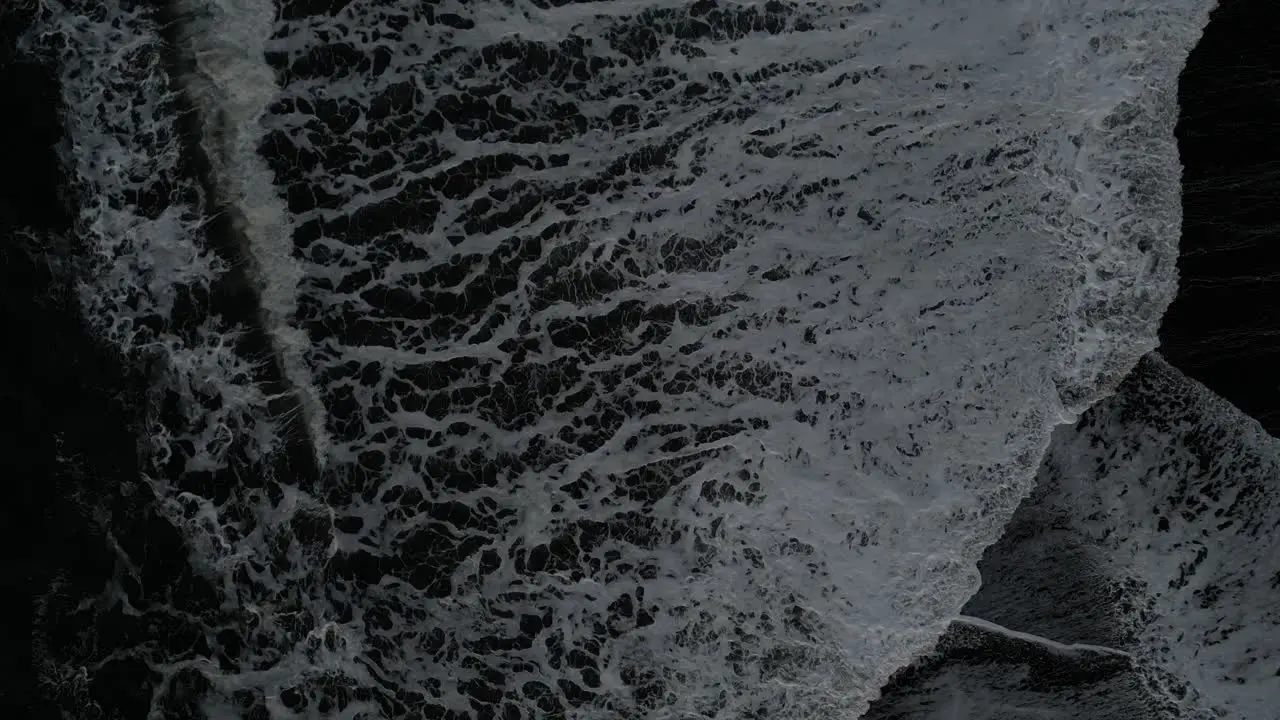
<point>591,360</point>
<point>1218,330</point>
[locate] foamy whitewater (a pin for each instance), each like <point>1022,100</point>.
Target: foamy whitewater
<point>1152,530</point>
<point>662,360</point>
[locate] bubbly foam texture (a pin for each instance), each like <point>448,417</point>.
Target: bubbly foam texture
<point>677,360</point>
<point>146,270</point>
<point>231,87</point>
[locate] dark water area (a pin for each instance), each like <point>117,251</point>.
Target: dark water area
<point>1223,329</point>
<point>76,511</point>
<point>26,200</point>
<point>71,433</point>
<point>49,382</point>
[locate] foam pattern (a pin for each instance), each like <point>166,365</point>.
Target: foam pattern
<point>664,360</point>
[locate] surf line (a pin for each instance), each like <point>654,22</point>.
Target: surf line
<point>222,89</point>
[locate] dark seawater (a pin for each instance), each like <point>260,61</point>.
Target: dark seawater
<point>1221,329</point>
<point>74,413</point>
<point>38,529</point>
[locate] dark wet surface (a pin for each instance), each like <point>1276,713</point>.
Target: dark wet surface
<point>1222,329</point>
<point>974,672</point>
<point>57,388</point>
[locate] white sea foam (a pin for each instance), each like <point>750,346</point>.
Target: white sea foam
<point>140,219</point>
<point>231,87</point>
<point>763,314</point>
